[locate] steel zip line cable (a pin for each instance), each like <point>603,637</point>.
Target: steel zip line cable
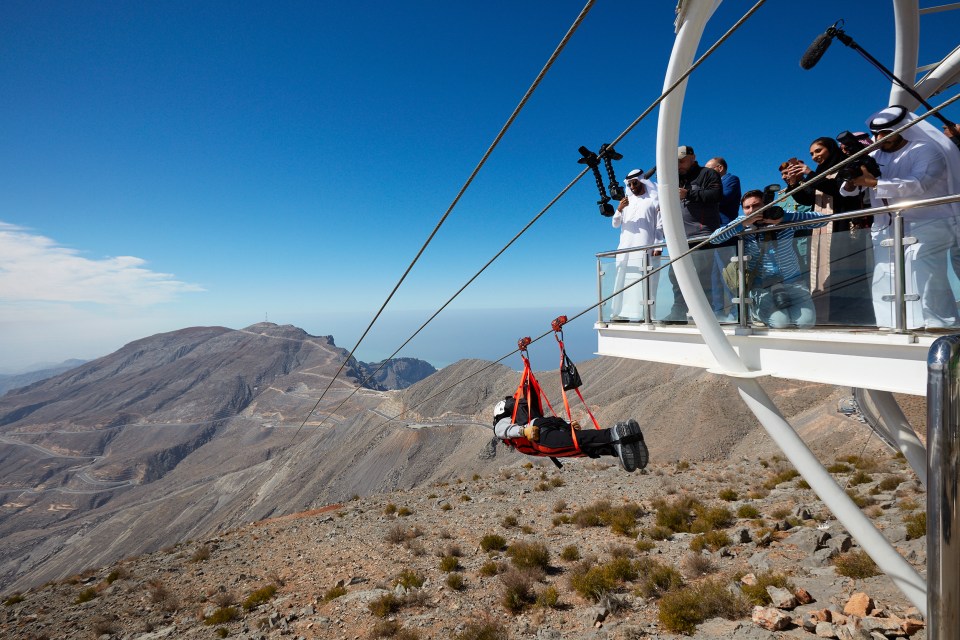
<point>695,247</point>
<point>513,116</point>
<point>562,193</point>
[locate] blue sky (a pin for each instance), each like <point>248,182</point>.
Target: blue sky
<point>165,165</point>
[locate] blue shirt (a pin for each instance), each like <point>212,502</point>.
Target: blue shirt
<point>777,257</point>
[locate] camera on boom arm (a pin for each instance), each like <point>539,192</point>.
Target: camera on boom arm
<point>852,144</point>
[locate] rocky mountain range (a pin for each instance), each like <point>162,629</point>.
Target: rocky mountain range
<point>192,433</point>
<point>16,380</point>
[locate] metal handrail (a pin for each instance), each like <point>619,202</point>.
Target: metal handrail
<point>943,502</point>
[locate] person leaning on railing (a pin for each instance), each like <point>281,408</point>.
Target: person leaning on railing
<point>781,295</point>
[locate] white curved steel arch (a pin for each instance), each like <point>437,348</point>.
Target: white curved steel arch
<point>693,17</point>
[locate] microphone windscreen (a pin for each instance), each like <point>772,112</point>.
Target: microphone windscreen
<point>815,51</point>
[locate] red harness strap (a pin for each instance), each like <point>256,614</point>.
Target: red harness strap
<point>530,390</point>
<point>569,377</point>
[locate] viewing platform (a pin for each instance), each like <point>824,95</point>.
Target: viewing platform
<point>868,331</point>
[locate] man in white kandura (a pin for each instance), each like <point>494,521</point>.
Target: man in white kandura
<point>638,218</point>
<point>918,163</point>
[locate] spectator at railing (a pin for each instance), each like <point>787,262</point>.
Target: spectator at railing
<point>921,162</point>
<point>802,236</point>
<point>841,256</point>
<point>729,207</point>
<point>638,218</point>
<point>780,294</point>
<point>700,192</point>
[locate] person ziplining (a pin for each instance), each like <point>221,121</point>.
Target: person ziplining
<point>518,420</point>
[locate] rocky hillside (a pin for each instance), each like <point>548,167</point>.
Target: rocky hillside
<point>187,435</point>
<point>10,381</point>
<point>398,373</point>
<point>521,550</point>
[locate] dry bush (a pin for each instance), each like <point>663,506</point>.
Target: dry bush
<point>486,630</point>
<point>492,542</point>
<point>683,609</point>
<point>409,579</point>
<point>224,598</point>
<point>856,564</point>
<point>916,525</point>
<point>529,555</point>
<point>385,605</point>
<point>260,596</point>
<point>712,540</point>
<point>696,565</point>
<point>202,553</point>
<point>456,581</point>
<point>518,589</point>
<point>490,568</point>
<point>570,553</point>
<point>449,563</point>
<point>655,578</point>
<point>757,594</point>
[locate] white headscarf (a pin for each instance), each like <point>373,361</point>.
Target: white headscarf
<point>649,185</point>
<point>896,116</point>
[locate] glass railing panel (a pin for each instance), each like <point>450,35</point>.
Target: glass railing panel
<point>624,271</point>
<point>778,280</point>
<point>708,263</point>
<point>841,265</point>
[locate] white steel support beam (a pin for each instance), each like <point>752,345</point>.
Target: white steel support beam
<point>668,128</point>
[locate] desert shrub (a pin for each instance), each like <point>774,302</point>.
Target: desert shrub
<point>783,476</point>
<point>119,573</point>
<point>860,478</point>
<point>517,589</point>
<point>621,551</point>
<point>549,598</point>
<point>656,579</point>
<point>683,465</point>
<point>334,592</point>
<point>222,615</point>
<point>483,631</point>
<point>728,494</point>
<point>757,593</point>
<point>570,553</point>
<point>202,553</point>
<point>559,506</point>
<point>780,513</point>
<point>712,540</point>
<point>222,632</point>
<point>525,528</point>
<point>385,605</point>
<point>449,563</point>
<point>644,545</point>
<point>492,542</point>
<point>476,477</point>
<point>455,581</point>
<point>104,625</point>
<point>15,598</point>
<point>465,498</point>
<point>676,515</point>
<point>451,548</point>
<point>445,506</point>
<point>409,579</point>
<point>397,534</point>
<point>562,519</point>
<point>557,481</point>
<point>260,596</point>
<point>683,609</point>
<point>529,555</point>
<point>907,504</point>
<point>589,516</point>
<point>86,595</point>
<point>865,464</point>
<point>390,509</point>
<point>657,532</point>
<point>916,525</point>
<point>621,569</point>
<point>860,500</point>
<point>593,582</point>
<point>748,511</point>
<point>403,512</point>
<point>490,569</point>
<point>890,483</point>
<point>697,564</point>
<point>839,467</point>
<point>528,465</point>
<point>710,518</point>
<point>856,564</point>
<point>509,522</point>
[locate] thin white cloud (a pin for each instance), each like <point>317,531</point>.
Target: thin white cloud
<point>36,268</point>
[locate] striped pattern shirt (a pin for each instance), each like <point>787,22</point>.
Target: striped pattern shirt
<point>779,256</point>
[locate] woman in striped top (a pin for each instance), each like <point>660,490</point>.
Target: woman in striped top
<point>781,294</point>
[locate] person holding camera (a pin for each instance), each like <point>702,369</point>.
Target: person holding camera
<point>918,163</point>
<point>841,256</point>
<point>781,296</point>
